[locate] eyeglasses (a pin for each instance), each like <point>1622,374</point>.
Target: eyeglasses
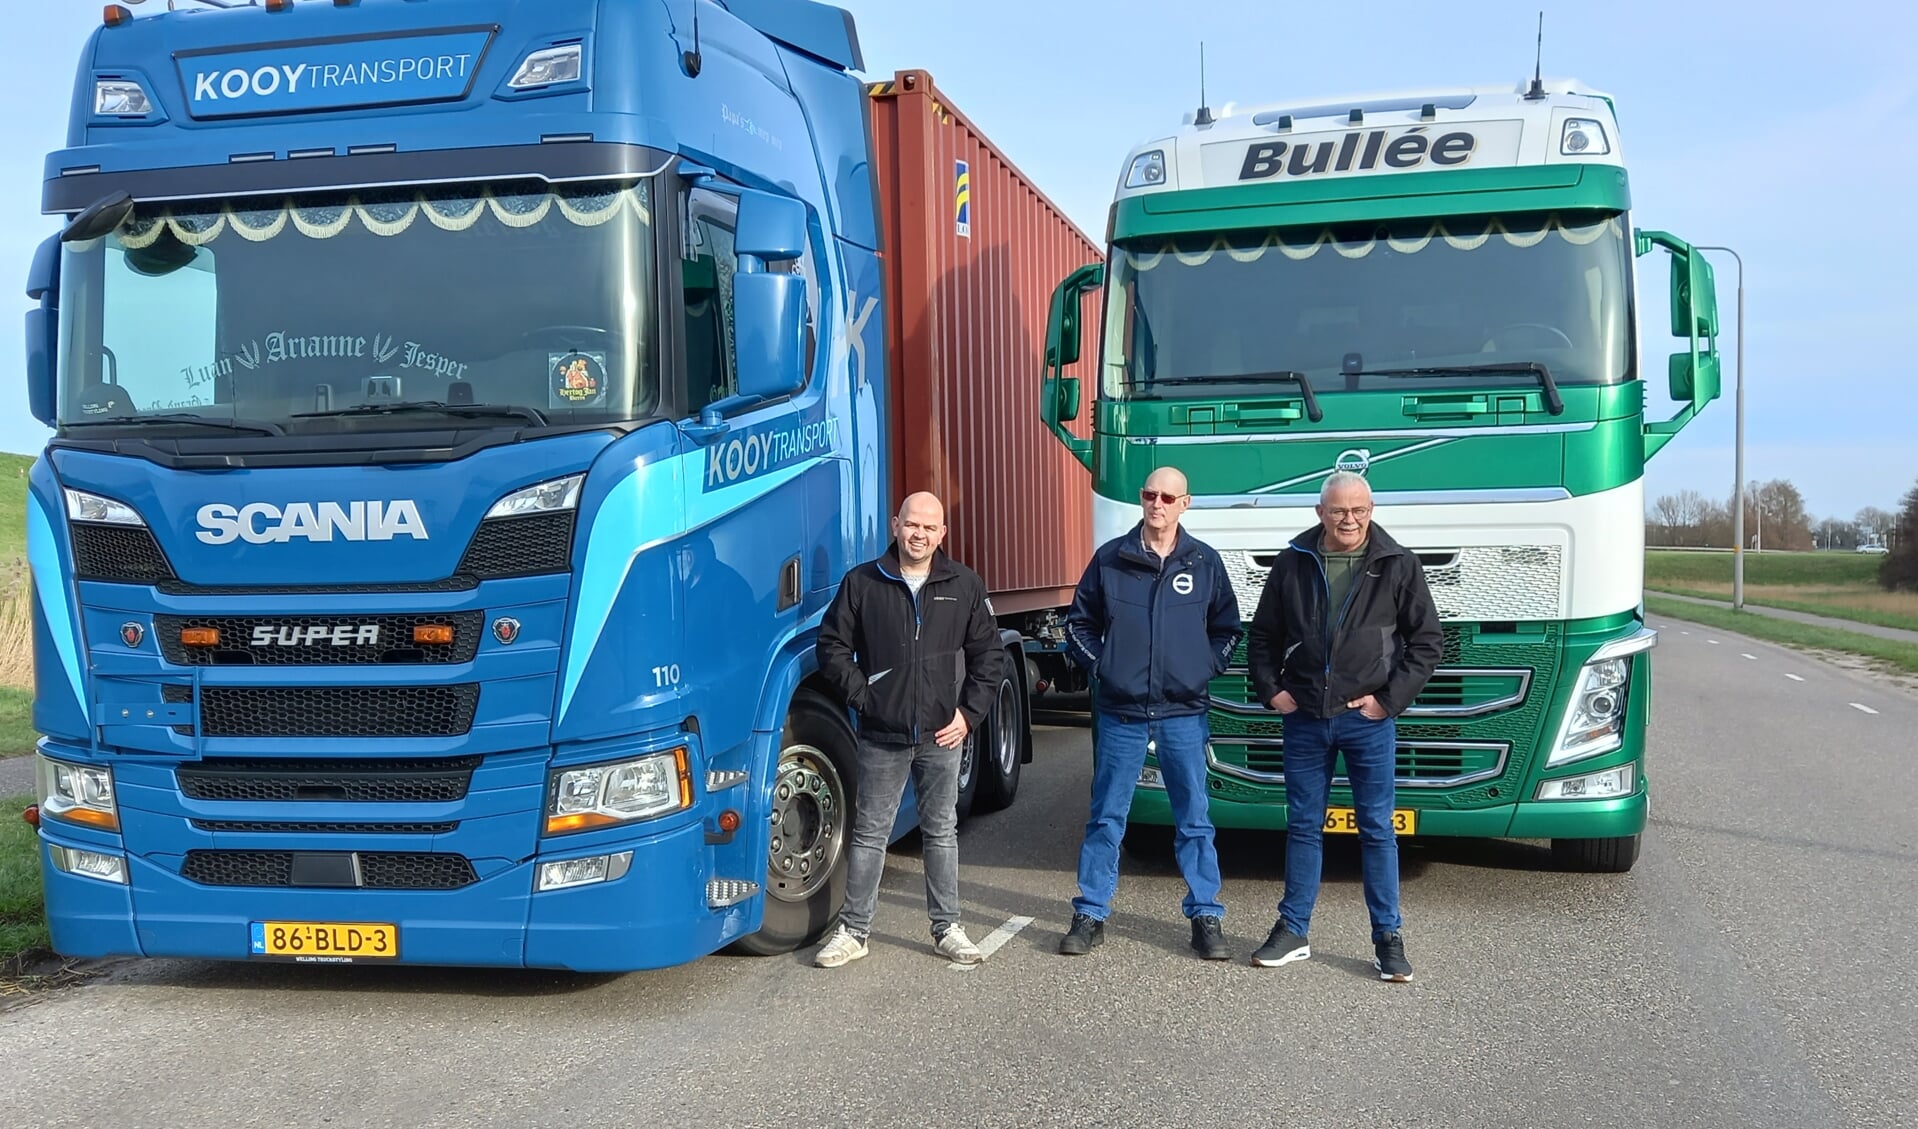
<point>1357,513</point>
<point>1159,496</point>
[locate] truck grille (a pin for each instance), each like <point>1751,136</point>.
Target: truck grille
<point>330,711</point>
<point>122,554</point>
<point>1421,764</point>
<point>309,640</point>
<point>312,827</point>
<point>418,781</point>
<point>520,546</point>
<point>378,870</point>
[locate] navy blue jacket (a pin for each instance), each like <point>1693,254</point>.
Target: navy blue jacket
<point>1153,637</point>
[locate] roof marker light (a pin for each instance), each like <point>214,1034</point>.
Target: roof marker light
<point>1356,117</point>
<point>113,15</point>
<point>278,5</point>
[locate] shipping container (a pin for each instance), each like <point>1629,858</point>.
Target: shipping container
<point>972,252</point>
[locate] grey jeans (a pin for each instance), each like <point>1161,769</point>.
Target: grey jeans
<point>883,770</point>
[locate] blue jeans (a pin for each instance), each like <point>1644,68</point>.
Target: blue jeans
<point>1371,763</point>
<point>883,770</point>
<point>1118,753</point>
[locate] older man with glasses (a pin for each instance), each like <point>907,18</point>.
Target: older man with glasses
<point>1155,620</point>
<point>1345,636</point>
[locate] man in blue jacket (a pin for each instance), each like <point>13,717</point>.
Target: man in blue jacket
<point>1155,620</point>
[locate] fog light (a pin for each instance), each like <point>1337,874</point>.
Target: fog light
<point>89,864</point>
<point>584,872</point>
<point>1607,785</point>
<point>723,892</point>
<point>1150,777</point>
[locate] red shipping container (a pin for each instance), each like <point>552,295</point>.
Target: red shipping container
<point>972,252</point>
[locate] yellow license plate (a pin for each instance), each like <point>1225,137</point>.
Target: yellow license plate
<point>325,942</point>
<point>1345,821</point>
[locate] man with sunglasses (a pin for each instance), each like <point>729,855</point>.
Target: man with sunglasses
<point>1345,636</point>
<point>1154,620</point>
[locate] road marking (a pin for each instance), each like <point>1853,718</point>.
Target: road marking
<point>1863,709</point>
<point>1794,677</point>
<point>1713,642</point>
<point>1684,633</point>
<point>995,939</point>
<point>1752,657</point>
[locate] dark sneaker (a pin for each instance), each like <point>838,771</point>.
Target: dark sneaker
<point>1085,934</point>
<point>1390,960</point>
<point>1208,937</point>
<point>1282,947</point>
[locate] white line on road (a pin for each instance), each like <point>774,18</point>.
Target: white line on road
<point>1752,657</point>
<point>1713,642</point>
<point>1684,633</point>
<point>1794,677</point>
<point>995,939</point>
<point>1863,709</point>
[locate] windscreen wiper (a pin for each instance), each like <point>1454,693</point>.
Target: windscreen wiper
<point>400,407</point>
<point>1312,410</point>
<point>1553,402</point>
<point>257,426</point>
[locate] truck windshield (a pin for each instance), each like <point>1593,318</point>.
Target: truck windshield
<point>510,304</point>
<point>1351,307</point>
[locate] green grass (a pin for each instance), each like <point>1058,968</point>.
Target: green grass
<point>1832,607</point>
<point>1804,637</point>
<point>17,736</point>
<point>23,923</point>
<point>13,518</point>
<point>1669,570</point>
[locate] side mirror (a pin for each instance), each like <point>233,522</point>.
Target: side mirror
<point>1068,398</point>
<point>42,333</point>
<point>769,334</point>
<point>1062,324</point>
<point>1694,296</point>
<point>770,227</point>
<point>1697,384</point>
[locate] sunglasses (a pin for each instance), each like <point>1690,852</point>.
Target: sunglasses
<point>1159,496</point>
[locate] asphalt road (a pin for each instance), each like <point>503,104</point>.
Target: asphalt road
<point>1752,971</point>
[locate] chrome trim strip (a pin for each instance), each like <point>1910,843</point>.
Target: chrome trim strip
<point>1498,768</point>
<point>1523,674</point>
<point>1644,639</point>
<point>1409,433</point>
<point>1386,498</point>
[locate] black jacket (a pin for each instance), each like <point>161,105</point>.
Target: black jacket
<point>1153,637</point>
<point>905,664</point>
<point>1385,642</point>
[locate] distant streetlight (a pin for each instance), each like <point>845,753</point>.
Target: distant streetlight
<point>1738,509</point>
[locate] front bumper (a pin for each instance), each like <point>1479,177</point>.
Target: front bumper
<point>1534,819</point>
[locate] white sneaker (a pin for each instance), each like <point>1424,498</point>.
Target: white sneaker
<point>840,948</point>
<point>958,948</point>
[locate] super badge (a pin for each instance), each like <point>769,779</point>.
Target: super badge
<point>576,380</point>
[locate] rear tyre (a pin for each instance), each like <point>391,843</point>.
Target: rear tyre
<point>814,793</point>
<point>1597,856</point>
<point>969,773</point>
<point>1005,748</point>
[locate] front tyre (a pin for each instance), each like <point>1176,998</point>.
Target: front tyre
<point>814,792</point>
<point>1597,856</point>
<point>1005,748</point>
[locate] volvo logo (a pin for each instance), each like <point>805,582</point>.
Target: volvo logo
<point>1356,461</point>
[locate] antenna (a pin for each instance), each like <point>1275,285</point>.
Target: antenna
<point>1204,116</point>
<point>691,59</point>
<point>1538,64</point>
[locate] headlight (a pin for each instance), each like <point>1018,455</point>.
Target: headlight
<point>1595,720</point>
<point>89,864</point>
<point>606,794</point>
<point>117,96</point>
<point>82,506</point>
<point>1147,171</point>
<point>77,793</point>
<point>1607,785</point>
<point>545,68</point>
<point>1583,137</point>
<point>545,498</point>
<point>1149,777</point>
<point>567,873</point>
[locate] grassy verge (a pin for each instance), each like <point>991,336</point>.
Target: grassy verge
<point>17,737</point>
<point>1836,605</point>
<point>23,924</point>
<point>1804,637</point>
<point>1666,569</point>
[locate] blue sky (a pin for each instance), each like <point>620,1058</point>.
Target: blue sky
<point>1781,130</point>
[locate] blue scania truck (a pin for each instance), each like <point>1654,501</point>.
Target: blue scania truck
<point>464,411</point>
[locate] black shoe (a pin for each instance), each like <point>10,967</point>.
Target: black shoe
<point>1086,932</point>
<point>1282,947</point>
<point>1390,960</point>
<point>1208,937</point>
